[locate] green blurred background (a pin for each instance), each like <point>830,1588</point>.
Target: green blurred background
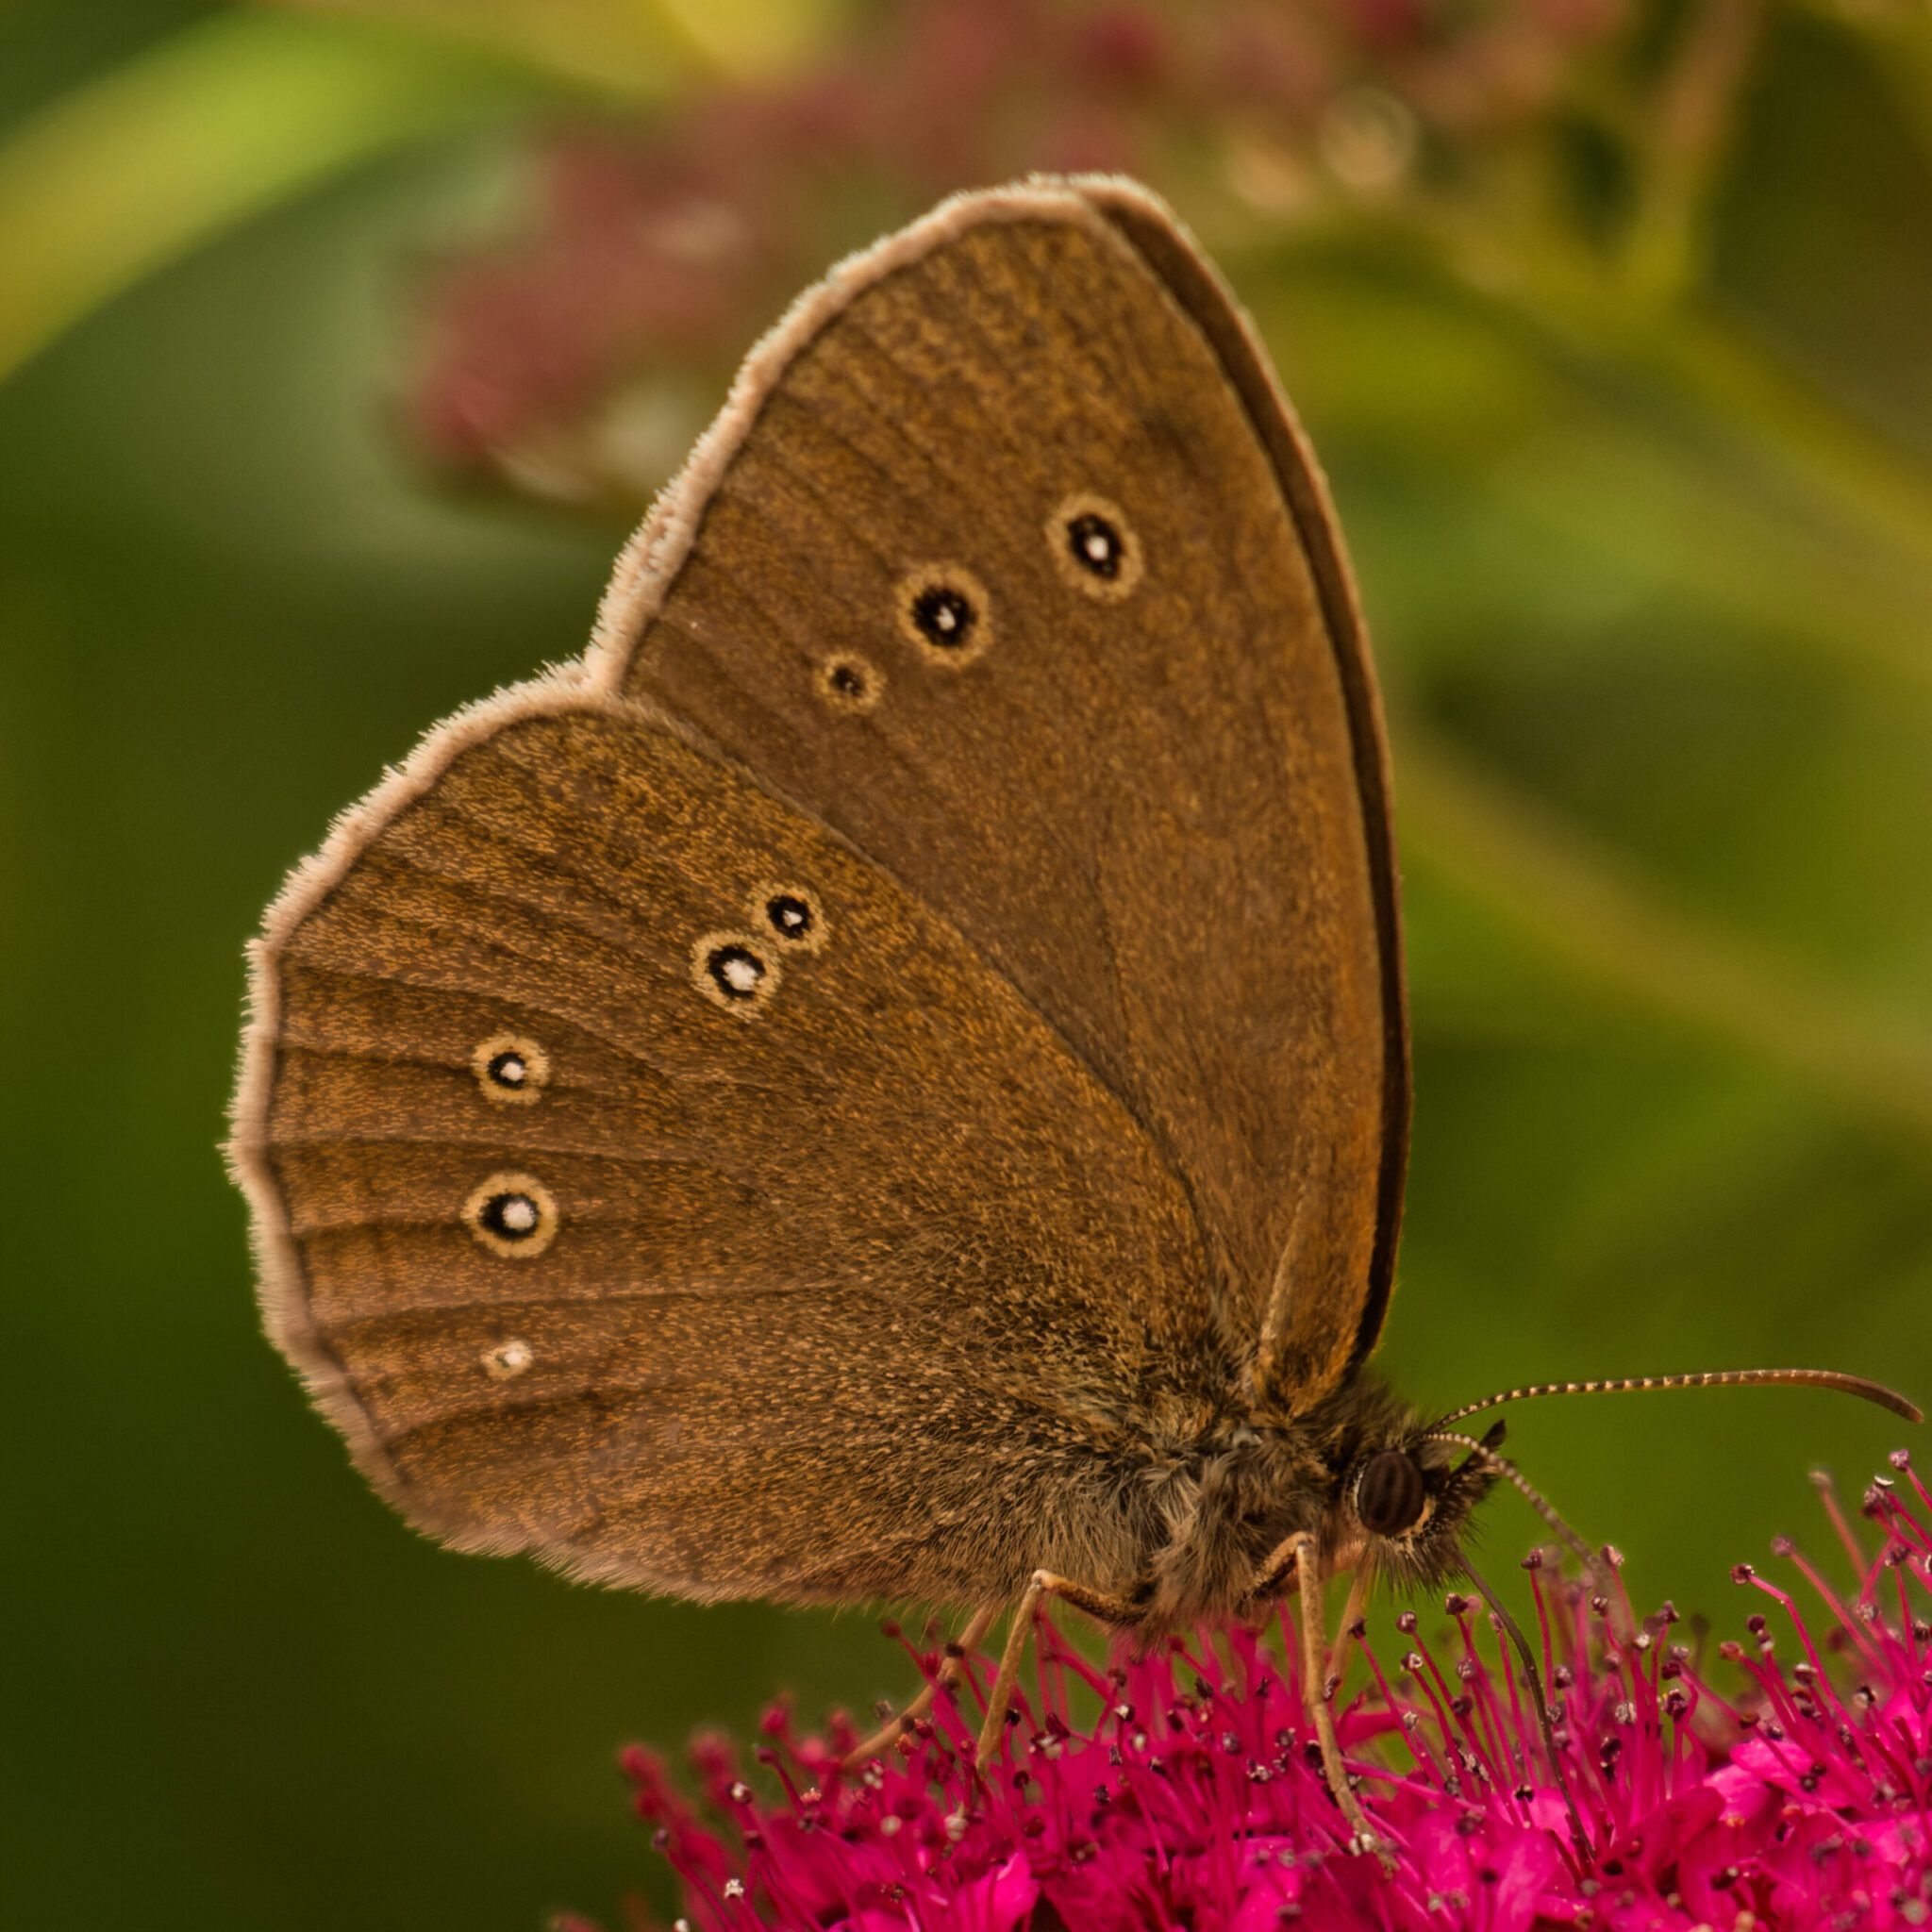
<point>339,346</point>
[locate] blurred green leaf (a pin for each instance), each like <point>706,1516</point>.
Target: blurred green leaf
<point>1580,907</point>
<point>212,126</point>
<point>1711,466</point>
<point>634,47</point>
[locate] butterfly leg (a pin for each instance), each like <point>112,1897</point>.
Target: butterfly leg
<point>1096,1603</point>
<point>952,1668</point>
<point>1297,1558</point>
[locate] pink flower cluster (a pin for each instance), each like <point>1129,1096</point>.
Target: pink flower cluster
<point>1182,1789</point>
<point>662,244</point>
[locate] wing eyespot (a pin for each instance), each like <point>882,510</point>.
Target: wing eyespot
<point>943,613</point>
<point>1095,549</point>
<point>508,1360</point>
<point>510,1070</point>
<point>736,970</point>
<point>792,914</point>
<point>512,1214</point>
<point>849,683</point>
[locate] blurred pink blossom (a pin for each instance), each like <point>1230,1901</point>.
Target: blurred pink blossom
<point>669,242</point>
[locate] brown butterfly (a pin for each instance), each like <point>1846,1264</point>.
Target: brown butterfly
<point>889,1079</point>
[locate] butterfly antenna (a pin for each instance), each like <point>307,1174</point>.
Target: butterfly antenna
<point>1711,1378</point>
<point>1483,1452</point>
<point>1513,1630</point>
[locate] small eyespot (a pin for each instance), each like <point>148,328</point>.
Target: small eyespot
<point>945,614</point>
<point>507,1360</point>
<point>849,683</point>
<point>791,914</point>
<point>1095,549</point>
<point>736,970</point>
<point>512,1214</point>
<point>510,1070</point>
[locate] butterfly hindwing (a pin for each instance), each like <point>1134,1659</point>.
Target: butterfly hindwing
<point>644,1177</point>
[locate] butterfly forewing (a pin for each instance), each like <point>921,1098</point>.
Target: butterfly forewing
<point>833,1095</point>
<point>1009,565</point>
<point>647,1179</point>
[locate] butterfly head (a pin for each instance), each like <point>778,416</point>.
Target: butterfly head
<point>1403,1501</point>
<point>1378,1484</point>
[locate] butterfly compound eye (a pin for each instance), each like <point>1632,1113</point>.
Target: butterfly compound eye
<point>1389,1495</point>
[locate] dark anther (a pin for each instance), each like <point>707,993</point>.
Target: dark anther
<point>1095,545</point>
<point>510,1069</point>
<point>944,616</point>
<point>847,680</point>
<point>1388,1496</point>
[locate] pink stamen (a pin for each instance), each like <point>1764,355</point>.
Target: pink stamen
<point>1194,1801</point>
